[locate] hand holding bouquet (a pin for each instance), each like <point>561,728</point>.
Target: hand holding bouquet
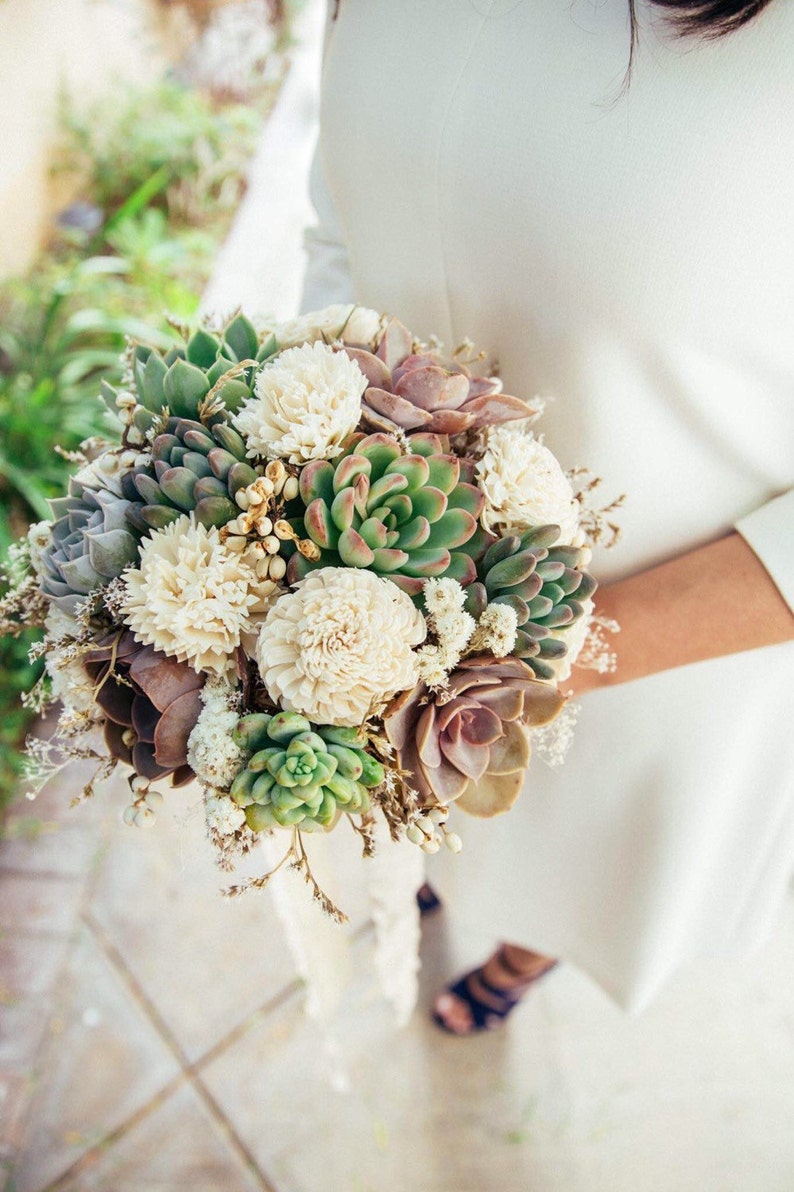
<point>324,570</point>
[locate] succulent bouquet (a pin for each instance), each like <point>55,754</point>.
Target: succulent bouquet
<point>322,569</point>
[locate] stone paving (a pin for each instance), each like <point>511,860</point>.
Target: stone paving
<point>152,1037</point>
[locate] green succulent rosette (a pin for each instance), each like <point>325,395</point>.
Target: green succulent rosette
<point>403,515</point>
<point>180,380</point>
<point>300,774</point>
<point>194,469</point>
<point>545,585</point>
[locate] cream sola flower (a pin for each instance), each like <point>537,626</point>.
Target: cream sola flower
<point>192,597</point>
<point>339,646</point>
<point>307,402</point>
<point>524,485</point>
<point>341,321</point>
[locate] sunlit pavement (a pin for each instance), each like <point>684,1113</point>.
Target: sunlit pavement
<point>151,1032</point>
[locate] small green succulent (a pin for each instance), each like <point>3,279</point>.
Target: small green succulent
<point>301,774</point>
<point>194,468</point>
<point>180,380</point>
<point>544,584</point>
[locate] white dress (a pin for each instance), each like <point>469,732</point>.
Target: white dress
<point>631,258</point>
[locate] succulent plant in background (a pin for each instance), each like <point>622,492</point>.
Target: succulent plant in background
<point>181,380</point>
<point>400,515</point>
<point>92,542</point>
<point>151,704</point>
<point>194,469</point>
<point>545,585</point>
<point>422,391</point>
<point>471,746</point>
<point>301,774</point>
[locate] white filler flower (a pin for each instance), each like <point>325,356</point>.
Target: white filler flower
<point>191,597</point>
<point>308,400</point>
<point>340,645</point>
<point>525,486</point>
<point>351,324</point>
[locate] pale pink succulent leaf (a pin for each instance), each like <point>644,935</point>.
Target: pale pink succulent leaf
<point>492,795</point>
<point>480,726</point>
<point>432,389</point>
<point>372,366</point>
<point>493,409</point>
<point>175,726</point>
<point>396,344</point>
<point>162,679</point>
<point>427,738</point>
<point>470,760</point>
<point>541,704</point>
<point>450,422</point>
<point>400,412</point>
<point>511,752</point>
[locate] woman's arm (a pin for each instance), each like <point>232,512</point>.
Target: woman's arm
<point>717,599</point>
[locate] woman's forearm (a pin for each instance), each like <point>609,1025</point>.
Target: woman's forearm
<point>717,599</point>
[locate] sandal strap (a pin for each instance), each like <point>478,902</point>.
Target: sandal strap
<point>522,981</point>
<point>487,1014</point>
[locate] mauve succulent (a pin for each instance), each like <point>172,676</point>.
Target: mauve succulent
<point>423,391</point>
<point>471,745</point>
<point>151,704</point>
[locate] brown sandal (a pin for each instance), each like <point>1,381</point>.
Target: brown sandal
<point>486,1015</point>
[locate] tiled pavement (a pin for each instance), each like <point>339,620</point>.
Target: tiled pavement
<point>152,1040</point>
<point>151,1033</point>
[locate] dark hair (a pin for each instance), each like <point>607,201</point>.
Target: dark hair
<point>709,18</point>
<point>705,18</point>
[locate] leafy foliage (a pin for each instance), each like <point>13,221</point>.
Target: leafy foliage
<point>168,145</point>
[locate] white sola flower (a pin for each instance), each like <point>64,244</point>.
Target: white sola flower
<point>525,486</point>
<point>191,597</point>
<point>308,400</point>
<point>339,646</point>
<point>351,324</point>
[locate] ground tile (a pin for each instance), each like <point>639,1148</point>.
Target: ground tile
<point>103,1062</point>
<point>205,961</point>
<point>37,845</point>
<point>385,1110</point>
<point>38,904</point>
<point>175,1148</point>
<point>574,1096</point>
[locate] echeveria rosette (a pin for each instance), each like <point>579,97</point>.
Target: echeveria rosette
<point>91,544</point>
<point>301,774</point>
<point>470,745</point>
<point>410,390</point>
<point>194,469</point>
<point>401,515</point>
<point>150,703</point>
<point>545,585</point>
<point>180,379</point>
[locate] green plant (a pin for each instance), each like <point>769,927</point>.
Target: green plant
<point>170,143</point>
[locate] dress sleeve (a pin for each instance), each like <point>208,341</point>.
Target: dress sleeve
<point>327,278</point>
<point>769,532</point>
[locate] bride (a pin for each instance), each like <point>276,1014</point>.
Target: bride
<point>623,245</point>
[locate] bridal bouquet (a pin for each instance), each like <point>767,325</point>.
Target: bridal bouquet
<point>323,570</point>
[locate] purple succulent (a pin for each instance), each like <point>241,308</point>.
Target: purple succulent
<point>423,391</point>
